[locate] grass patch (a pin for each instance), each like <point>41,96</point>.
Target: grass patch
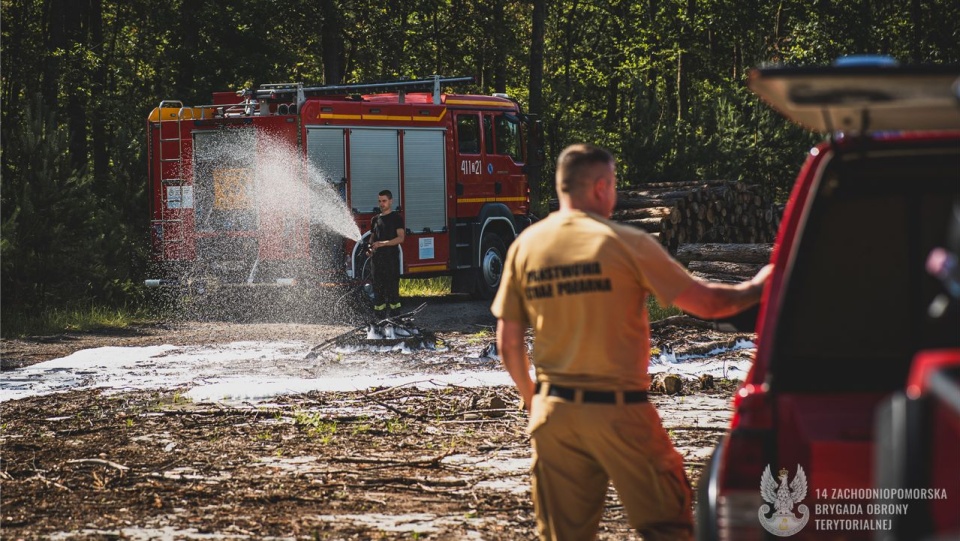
<point>425,287</point>
<point>59,320</point>
<point>658,312</point>
<point>315,424</point>
<point>480,337</point>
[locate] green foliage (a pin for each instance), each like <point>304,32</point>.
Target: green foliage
<point>658,312</point>
<point>53,320</point>
<point>48,214</point>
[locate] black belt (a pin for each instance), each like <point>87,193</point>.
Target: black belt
<point>599,397</point>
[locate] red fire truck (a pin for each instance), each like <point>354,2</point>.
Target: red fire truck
<point>225,212</point>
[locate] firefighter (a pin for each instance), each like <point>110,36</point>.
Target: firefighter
<point>386,235</point>
<point>582,282</point>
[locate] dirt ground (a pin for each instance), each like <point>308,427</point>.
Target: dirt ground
<point>383,463</point>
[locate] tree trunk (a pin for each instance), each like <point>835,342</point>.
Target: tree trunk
<point>684,60</point>
<point>76,103</point>
<point>331,39</point>
<point>499,48</point>
<point>536,97</point>
<point>184,87</point>
<point>916,20</point>
<point>397,38</point>
<point>98,87</point>
<point>56,14</point>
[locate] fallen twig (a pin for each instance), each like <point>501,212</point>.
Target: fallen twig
<point>54,483</point>
<point>399,412</point>
<point>416,482</point>
<point>100,461</point>
<point>429,462</point>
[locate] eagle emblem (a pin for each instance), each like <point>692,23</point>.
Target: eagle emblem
<point>783,497</point>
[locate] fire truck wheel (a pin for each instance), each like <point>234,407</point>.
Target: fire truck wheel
<point>493,251</point>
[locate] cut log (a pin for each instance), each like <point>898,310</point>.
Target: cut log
<point>746,270</point>
<point>637,213</point>
<point>642,203</point>
<point>677,184</point>
<point>736,253</point>
<point>717,277</point>
<point>650,225</point>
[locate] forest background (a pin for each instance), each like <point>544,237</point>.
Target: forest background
<point>660,82</point>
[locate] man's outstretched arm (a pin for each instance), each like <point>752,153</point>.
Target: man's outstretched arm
<point>711,300</point>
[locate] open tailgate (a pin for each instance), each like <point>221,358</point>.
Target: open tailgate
<point>863,98</point>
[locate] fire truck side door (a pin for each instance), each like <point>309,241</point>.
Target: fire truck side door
<point>326,148</point>
<point>495,160</point>
<point>469,159</point>
<point>374,166</point>
<point>506,160</point>
<point>424,180</point>
<point>325,151</point>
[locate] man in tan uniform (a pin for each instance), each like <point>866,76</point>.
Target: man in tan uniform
<point>581,281</point>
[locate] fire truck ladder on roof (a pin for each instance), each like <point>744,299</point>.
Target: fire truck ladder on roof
<point>401,87</point>
<point>171,172</point>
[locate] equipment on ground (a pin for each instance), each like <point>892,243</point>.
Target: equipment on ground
<point>387,332</point>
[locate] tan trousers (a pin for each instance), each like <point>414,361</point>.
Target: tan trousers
<point>578,448</point>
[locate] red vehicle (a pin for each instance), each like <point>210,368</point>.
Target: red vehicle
<point>847,427</point>
<point>278,185</point>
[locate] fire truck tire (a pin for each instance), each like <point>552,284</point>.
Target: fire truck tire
<point>493,252</point>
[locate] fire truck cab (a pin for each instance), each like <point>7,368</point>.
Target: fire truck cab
<point>279,185</point>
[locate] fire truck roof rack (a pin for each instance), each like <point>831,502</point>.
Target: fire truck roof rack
<point>402,86</point>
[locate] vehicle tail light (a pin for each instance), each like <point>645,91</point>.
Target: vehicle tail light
<point>752,408</point>
<point>746,455</point>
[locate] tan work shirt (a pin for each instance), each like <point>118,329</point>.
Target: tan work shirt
<point>581,282</point>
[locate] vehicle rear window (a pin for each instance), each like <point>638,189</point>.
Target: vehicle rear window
<point>855,307</point>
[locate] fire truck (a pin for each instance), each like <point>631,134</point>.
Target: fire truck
<point>227,209</point>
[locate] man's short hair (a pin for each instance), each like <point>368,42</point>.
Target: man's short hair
<point>575,162</point>
<point>387,193</point>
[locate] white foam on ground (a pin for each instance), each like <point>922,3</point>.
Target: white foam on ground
<point>694,366</point>
<point>255,371</point>
<point>254,389</point>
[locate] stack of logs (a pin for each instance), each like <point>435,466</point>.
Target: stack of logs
<point>715,211</point>
<point>722,230</point>
<point>731,213</point>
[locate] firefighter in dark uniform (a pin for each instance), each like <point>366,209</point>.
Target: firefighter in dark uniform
<point>582,282</point>
<point>386,235</point>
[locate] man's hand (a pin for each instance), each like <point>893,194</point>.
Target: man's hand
<point>762,276</point>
